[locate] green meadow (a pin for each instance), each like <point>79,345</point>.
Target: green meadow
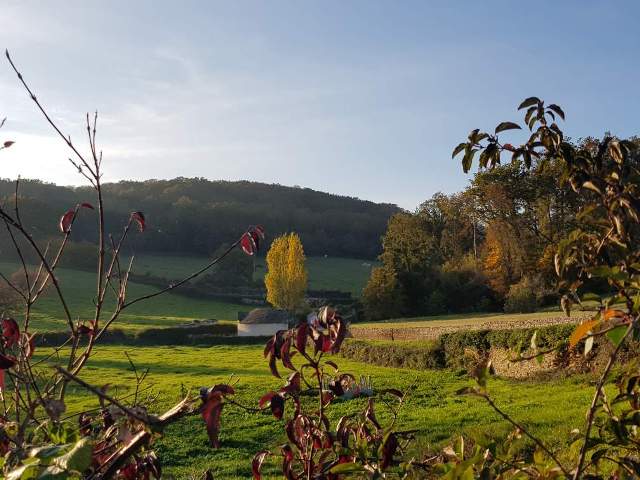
<point>165,310</point>
<point>551,409</point>
<point>325,273</point>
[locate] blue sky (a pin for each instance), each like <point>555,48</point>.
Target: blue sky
<point>364,99</point>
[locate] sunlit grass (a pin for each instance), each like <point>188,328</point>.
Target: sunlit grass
<point>551,409</point>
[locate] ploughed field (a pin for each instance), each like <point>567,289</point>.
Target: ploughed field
<point>551,409</point>
<point>430,328</point>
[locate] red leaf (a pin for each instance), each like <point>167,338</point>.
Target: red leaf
<point>66,220</point>
<point>8,143</point>
<point>370,414</point>
<point>130,472</point>
<point>301,336</point>
<point>223,388</point>
<point>389,448</point>
<point>340,334</point>
<point>326,343</point>
<point>211,411</point>
<point>84,330</point>
<point>256,464</point>
<point>327,398</point>
<point>293,384</point>
<point>394,392</point>
<point>269,347</point>
<point>277,406</point>
<point>259,230</point>
<point>87,205</point>
<point>10,332</point>
<point>284,354</point>
<point>287,454</point>
<point>266,398</point>
<point>138,217</point>
<point>273,367</point>
<point>248,244</point>
<point>6,361</point>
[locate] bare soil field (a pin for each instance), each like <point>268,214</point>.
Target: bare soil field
<point>430,328</point>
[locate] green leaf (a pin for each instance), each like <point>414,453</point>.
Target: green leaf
<point>24,472</point>
<point>528,102</point>
<point>556,109</point>
<point>458,149</point>
<point>617,334</point>
<point>467,160</point>
<point>78,458</point>
<point>507,126</point>
<point>601,271</point>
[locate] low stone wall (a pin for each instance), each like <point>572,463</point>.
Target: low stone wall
<point>504,367</point>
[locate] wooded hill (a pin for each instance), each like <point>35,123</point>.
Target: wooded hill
<point>196,215</point>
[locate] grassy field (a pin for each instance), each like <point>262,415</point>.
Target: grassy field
<point>171,309</point>
<point>329,273</point>
<point>550,409</point>
<point>165,310</point>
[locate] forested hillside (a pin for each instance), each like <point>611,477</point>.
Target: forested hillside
<point>195,215</point>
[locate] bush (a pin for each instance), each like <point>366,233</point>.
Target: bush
<point>524,296</point>
<point>183,335</point>
<point>418,356</point>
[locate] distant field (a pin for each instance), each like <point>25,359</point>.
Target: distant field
<point>431,406</point>
<point>468,320</point>
<point>346,274</point>
<point>164,310</point>
<point>171,309</point>
<point>430,328</point>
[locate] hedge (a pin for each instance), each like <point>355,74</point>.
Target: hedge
<point>418,356</point>
<point>208,335</point>
<point>449,349</point>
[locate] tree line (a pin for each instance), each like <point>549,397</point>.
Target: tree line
<point>488,247</point>
<point>195,216</point>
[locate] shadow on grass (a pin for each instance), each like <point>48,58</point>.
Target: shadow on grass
<point>159,368</point>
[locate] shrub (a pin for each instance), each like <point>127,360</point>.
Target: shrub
<point>523,296</point>
<point>418,356</point>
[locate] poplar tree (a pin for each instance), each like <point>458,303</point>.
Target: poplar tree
<point>286,278</point>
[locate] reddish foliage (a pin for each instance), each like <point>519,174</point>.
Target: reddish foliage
<point>211,410</point>
<point>66,220</point>
<point>313,447</point>
<point>140,220</point>
<point>10,332</point>
<point>250,240</point>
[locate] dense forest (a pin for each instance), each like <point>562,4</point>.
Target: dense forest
<point>195,216</point>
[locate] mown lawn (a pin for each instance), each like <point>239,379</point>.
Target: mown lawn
<point>551,409</point>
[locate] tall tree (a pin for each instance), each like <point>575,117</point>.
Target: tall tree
<point>286,278</point>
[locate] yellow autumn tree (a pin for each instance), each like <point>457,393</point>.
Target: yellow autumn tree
<point>286,278</point>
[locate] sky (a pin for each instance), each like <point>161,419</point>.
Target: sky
<point>359,98</point>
